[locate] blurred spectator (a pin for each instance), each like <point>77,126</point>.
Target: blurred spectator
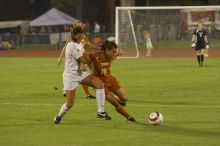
<point>103,29</point>
<point>96,28</point>
<point>5,45</point>
<point>42,29</point>
<point>183,29</point>
<point>87,27</point>
<point>165,30</point>
<point>49,29</point>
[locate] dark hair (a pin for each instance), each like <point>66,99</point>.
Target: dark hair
<point>107,45</point>
<point>75,31</point>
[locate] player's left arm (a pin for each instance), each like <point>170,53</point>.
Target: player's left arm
<point>116,55</point>
<point>206,41</point>
<point>62,54</point>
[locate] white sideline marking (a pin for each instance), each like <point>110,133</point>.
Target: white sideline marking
<point>134,105</point>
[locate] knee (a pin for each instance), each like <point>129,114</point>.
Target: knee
<point>125,98</point>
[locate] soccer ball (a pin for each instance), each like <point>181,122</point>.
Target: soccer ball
<point>155,118</point>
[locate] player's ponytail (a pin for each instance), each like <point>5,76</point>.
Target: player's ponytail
<point>108,45</point>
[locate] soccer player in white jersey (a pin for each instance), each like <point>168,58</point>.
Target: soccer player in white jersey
<point>84,42</point>
<point>73,76</point>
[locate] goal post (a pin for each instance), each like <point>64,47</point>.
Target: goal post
<point>169,27</point>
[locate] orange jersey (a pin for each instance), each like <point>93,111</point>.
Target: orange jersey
<point>101,69</point>
<point>100,66</point>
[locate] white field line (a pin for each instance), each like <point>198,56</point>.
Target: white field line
<point>134,105</point>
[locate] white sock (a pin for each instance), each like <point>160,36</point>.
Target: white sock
<point>100,98</point>
<point>64,109</point>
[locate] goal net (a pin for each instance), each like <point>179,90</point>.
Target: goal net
<point>169,27</point>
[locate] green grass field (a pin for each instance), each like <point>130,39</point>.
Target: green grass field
<point>188,97</point>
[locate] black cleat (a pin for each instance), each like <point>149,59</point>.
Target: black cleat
<point>90,97</point>
<point>131,120</point>
<point>103,115</point>
<point>64,94</point>
<point>57,120</point>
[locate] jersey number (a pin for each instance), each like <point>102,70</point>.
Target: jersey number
<point>200,34</point>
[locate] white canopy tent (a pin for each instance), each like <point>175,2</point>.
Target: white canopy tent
<point>56,18</point>
<point>53,17</point>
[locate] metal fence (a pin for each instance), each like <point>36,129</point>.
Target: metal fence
<point>36,41</point>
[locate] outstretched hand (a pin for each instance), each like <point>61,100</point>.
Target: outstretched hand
<point>207,46</point>
<point>120,53</point>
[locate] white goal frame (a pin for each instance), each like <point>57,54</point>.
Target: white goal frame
<point>187,9</point>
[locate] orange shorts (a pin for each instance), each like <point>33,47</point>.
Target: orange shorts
<point>110,84</point>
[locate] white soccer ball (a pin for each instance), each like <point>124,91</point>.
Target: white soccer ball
<point>155,118</point>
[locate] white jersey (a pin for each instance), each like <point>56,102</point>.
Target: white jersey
<point>72,76</point>
<point>73,53</point>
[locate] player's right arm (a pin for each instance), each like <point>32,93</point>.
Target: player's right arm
<point>194,39</point>
<point>83,59</point>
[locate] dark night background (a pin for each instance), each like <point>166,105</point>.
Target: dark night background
<point>101,11</point>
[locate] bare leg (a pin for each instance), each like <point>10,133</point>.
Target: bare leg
<point>121,94</point>
<point>111,99</point>
<point>100,93</point>
<point>70,100</point>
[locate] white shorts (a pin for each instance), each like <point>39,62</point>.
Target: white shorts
<point>72,81</point>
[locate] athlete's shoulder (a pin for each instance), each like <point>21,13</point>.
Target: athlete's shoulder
<point>195,31</point>
<point>70,44</point>
<point>94,56</point>
<point>204,30</point>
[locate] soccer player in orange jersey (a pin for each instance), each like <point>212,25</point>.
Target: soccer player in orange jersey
<point>100,64</point>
